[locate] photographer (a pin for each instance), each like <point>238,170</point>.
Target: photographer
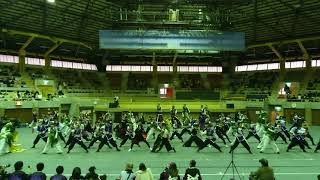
<point>263,173</point>
<point>3,172</point>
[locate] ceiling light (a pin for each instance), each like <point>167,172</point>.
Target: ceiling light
<point>51,1</point>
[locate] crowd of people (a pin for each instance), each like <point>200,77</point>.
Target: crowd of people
<point>232,130</point>
<point>171,172</point>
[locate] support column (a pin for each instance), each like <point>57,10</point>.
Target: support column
<point>308,115</point>
<point>176,81</point>
<point>47,63</point>
<point>22,62</point>
<point>124,81</point>
<point>154,73</point>
<point>204,79</point>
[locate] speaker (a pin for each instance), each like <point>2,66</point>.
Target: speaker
<point>230,106</point>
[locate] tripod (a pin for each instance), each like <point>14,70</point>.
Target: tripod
<point>234,168</point>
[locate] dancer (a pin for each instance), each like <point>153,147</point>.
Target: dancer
<point>185,114</point>
<point>139,135</point>
<point>307,134</point>
<point>210,139</point>
<point>77,138</point>
<point>159,117</point>
<point>6,138</point>
<point>53,139</point>
<point>165,135</point>
<point>107,137</point>
<point>194,138</point>
<point>202,117</point>
<point>269,140</point>
<point>253,132</point>
<point>240,139</point>
<point>174,118</point>
<point>296,139</point>
<point>42,130</point>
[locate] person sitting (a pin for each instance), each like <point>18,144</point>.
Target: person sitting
<point>59,175</point>
<point>39,175</point>
<point>192,172</point>
<point>170,173</point>
<point>92,175</point>
<point>127,174</point>
<point>18,173</point>
<point>144,173</point>
<point>263,173</point>
<point>76,174</point>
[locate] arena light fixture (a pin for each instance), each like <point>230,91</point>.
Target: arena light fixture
<point>51,1</point>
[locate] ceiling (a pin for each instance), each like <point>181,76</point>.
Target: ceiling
<point>80,20</point>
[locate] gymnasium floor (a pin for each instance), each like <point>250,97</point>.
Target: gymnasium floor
<point>294,165</point>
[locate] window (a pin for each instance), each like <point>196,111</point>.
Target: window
<point>241,68</point>
<point>165,68</point>
<point>135,68</point>
<point>262,67</point>
<point>55,63</point>
<point>182,69</point>
<point>77,65</point>
<point>126,68</point>
<point>203,68</point>
<point>108,68</point>
<point>9,59</point>
<point>272,66</point>
<point>66,64</point>
<point>295,64</point>
<point>146,68</point>
<point>35,61</point>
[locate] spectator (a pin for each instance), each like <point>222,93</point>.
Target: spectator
<point>127,174</point>
<point>76,174</point>
<point>144,173</point>
<point>92,175</point>
<point>192,172</point>
<point>264,172</point>
<point>171,172</point>
<point>59,175</point>
<point>18,173</point>
<point>39,175</point>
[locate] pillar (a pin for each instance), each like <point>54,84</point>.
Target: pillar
<point>308,115</point>
<point>154,73</point>
<point>124,81</point>
<point>204,79</point>
<point>47,63</point>
<point>22,61</point>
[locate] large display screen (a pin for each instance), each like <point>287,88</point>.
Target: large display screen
<point>172,40</point>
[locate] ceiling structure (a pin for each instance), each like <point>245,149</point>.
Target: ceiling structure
<point>69,28</point>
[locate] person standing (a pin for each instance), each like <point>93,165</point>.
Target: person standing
<point>185,114</point>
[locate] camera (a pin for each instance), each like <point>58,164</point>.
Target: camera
<point>5,166</point>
